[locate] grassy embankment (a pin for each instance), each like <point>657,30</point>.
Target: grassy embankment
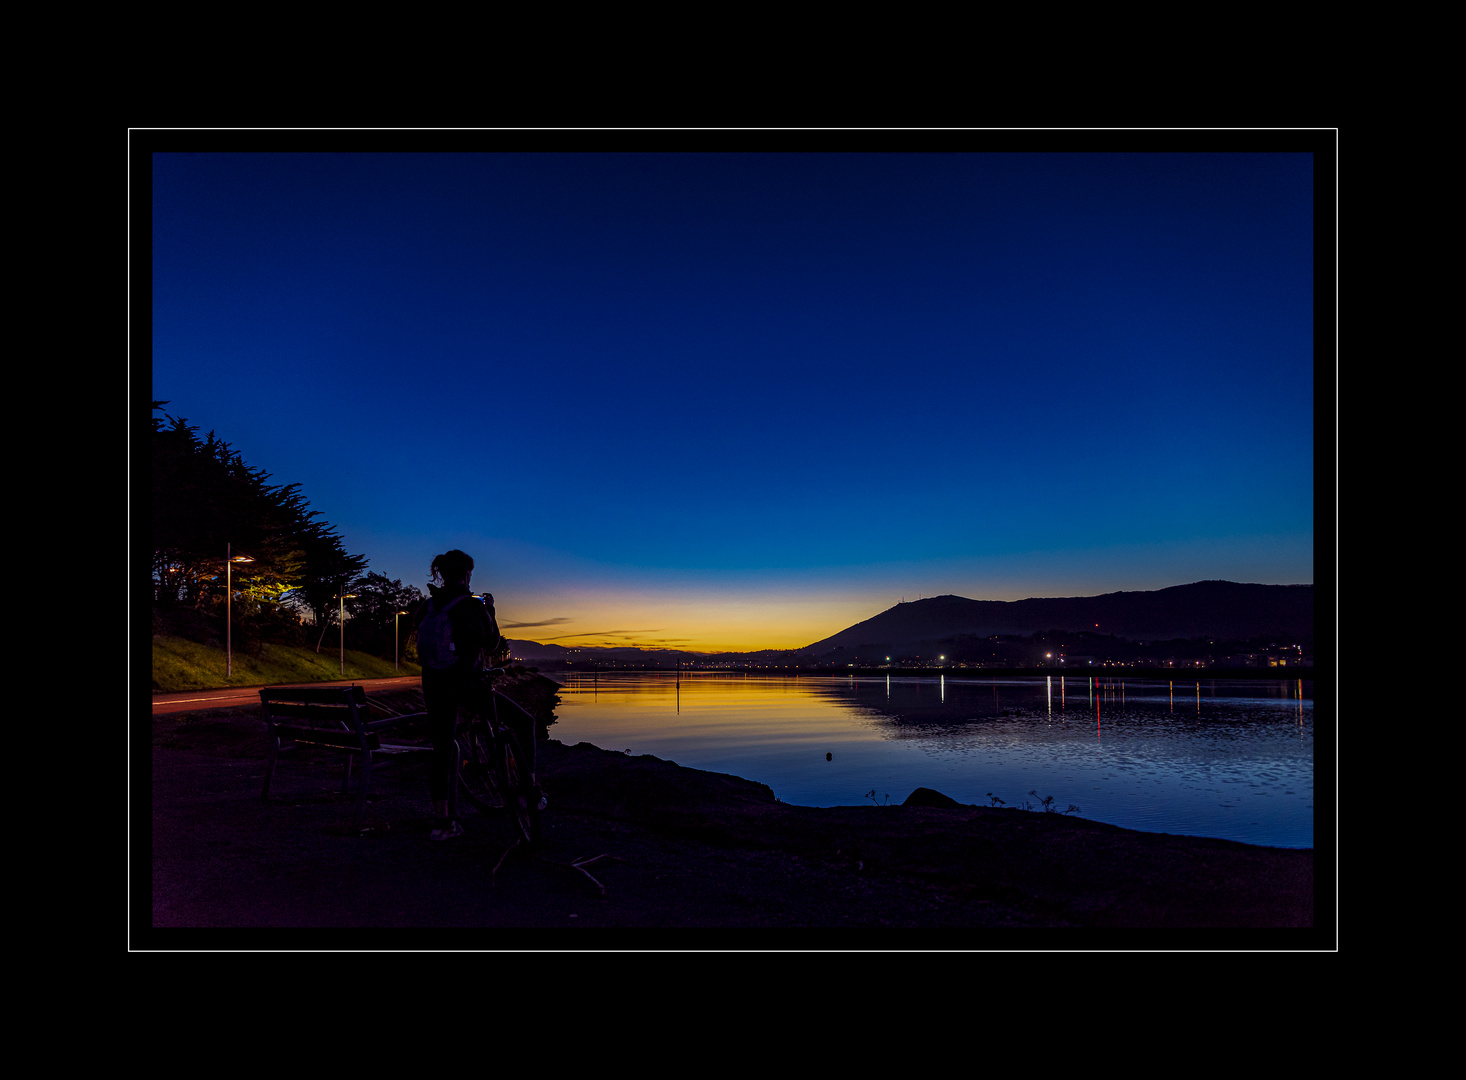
<point>180,664</point>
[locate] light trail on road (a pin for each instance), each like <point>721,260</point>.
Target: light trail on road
<point>246,695</point>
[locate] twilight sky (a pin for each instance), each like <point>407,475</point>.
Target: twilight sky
<point>741,401</point>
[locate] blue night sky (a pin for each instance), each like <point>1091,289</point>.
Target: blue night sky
<point>739,401</point>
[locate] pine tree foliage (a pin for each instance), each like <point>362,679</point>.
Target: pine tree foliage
<point>207,501</point>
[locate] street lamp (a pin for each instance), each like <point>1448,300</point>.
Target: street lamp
<point>229,560</point>
<point>394,640</point>
<point>343,597</point>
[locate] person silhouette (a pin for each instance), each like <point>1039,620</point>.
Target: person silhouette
<point>454,628</point>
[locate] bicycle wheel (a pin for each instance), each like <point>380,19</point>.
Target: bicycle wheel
<point>478,773</point>
<point>519,793</point>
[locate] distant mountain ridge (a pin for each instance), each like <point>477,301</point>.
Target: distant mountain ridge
<point>1217,609</point>
<point>1222,610</point>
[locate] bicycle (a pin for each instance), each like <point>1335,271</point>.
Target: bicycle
<point>494,771</point>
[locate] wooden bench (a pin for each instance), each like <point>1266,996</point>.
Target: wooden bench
<point>335,717</point>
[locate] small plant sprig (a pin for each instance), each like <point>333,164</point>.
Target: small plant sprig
<point>1048,804</point>
<point>871,795</point>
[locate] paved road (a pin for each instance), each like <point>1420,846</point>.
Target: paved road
<point>235,696</point>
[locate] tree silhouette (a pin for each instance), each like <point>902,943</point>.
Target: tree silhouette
<point>207,500</point>
<point>378,599</point>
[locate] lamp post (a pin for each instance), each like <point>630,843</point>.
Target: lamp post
<point>343,597</point>
<point>395,649</point>
<point>229,560</point>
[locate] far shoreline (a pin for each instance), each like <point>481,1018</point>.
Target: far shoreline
<point>1155,674</point>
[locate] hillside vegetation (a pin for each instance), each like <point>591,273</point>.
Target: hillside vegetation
<point>181,664</point>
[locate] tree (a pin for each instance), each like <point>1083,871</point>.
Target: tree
<point>193,489</point>
<point>207,501</point>
<point>329,573</point>
<point>372,613</point>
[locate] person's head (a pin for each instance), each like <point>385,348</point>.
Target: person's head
<point>452,567</point>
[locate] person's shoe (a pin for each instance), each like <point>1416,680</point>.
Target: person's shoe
<point>446,830</point>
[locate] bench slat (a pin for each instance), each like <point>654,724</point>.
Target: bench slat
<point>336,695</point>
<point>345,740</point>
<point>325,714</point>
<point>392,721</point>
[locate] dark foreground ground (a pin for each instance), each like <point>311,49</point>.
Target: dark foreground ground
<point>669,858</point>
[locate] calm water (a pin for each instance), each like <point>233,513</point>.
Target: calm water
<point>1222,758</point>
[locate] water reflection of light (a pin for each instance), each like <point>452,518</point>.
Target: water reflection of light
<point>1153,769</point>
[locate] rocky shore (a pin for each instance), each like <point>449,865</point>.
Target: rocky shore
<point>640,852</point>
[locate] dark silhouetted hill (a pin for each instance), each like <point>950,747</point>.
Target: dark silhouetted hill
<point>1205,609</point>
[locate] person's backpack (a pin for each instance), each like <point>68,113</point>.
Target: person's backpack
<point>435,646</point>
